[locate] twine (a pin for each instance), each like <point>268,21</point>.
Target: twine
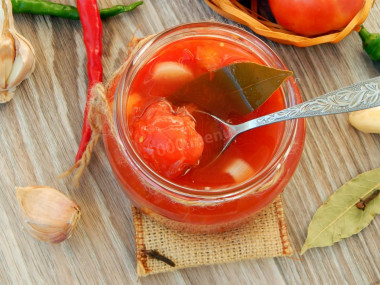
<point>100,110</point>
<point>98,107</point>
<point>237,12</point>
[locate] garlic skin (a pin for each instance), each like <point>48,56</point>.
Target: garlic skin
<point>367,121</point>
<point>50,215</point>
<point>17,56</point>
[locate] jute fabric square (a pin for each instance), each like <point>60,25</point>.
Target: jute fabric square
<point>265,235</point>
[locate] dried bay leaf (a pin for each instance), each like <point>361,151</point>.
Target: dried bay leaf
<point>236,89</point>
<point>339,217</point>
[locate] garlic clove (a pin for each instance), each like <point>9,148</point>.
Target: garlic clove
<point>367,121</point>
<point>7,56</point>
<point>49,214</point>
<point>169,76</point>
<point>17,57</point>
<point>48,234</point>
<point>24,62</point>
<point>134,100</point>
<point>239,170</point>
<point>172,72</point>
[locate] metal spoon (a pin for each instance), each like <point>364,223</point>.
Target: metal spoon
<point>362,95</point>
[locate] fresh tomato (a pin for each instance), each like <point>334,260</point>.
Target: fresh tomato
<point>167,139</point>
<point>314,17</point>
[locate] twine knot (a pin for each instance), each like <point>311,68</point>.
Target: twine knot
<point>98,109</point>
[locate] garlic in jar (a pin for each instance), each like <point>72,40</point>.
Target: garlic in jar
<point>17,58</point>
<point>367,121</point>
<point>49,214</point>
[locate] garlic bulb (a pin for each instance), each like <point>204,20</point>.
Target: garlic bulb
<point>49,215</point>
<point>17,58</point>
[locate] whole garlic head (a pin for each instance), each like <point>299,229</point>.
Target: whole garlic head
<point>367,121</point>
<point>17,57</point>
<point>49,214</point>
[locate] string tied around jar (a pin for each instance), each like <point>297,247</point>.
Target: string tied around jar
<point>100,110</point>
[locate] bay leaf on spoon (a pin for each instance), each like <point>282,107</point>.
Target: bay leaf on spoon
<point>236,89</point>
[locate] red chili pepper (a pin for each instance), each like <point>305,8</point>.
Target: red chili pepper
<point>92,36</point>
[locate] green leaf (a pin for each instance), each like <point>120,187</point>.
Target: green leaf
<point>339,217</point>
<point>236,89</point>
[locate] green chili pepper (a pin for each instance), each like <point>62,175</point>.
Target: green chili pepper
<point>371,43</point>
<point>43,7</point>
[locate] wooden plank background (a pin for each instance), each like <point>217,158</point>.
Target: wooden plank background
<point>40,130</point>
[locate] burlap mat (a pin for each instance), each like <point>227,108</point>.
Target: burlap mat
<point>264,236</point>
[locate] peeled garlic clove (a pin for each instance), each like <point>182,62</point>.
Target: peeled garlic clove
<point>367,121</point>
<point>134,101</point>
<point>168,77</point>
<point>171,71</point>
<point>240,170</point>
<point>49,214</point>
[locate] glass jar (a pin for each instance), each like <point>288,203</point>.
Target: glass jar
<point>209,209</point>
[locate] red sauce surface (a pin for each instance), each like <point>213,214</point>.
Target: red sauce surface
<point>251,151</point>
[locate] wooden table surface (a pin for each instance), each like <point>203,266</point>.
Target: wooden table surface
<point>40,130</point>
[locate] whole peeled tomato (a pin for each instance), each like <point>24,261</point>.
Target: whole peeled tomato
<point>314,17</point>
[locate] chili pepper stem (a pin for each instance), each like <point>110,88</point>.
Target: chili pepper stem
<point>371,43</point>
<point>364,35</point>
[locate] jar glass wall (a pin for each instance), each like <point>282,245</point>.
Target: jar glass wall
<point>199,208</point>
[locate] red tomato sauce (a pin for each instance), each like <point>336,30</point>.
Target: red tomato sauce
<point>249,154</point>
<point>251,151</point>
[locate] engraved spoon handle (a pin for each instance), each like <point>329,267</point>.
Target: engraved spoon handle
<point>363,95</point>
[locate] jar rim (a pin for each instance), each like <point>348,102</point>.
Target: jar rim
<point>260,180</point>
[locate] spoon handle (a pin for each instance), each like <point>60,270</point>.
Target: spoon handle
<point>359,96</point>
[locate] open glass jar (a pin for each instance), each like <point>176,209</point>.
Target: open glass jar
<point>253,171</point>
